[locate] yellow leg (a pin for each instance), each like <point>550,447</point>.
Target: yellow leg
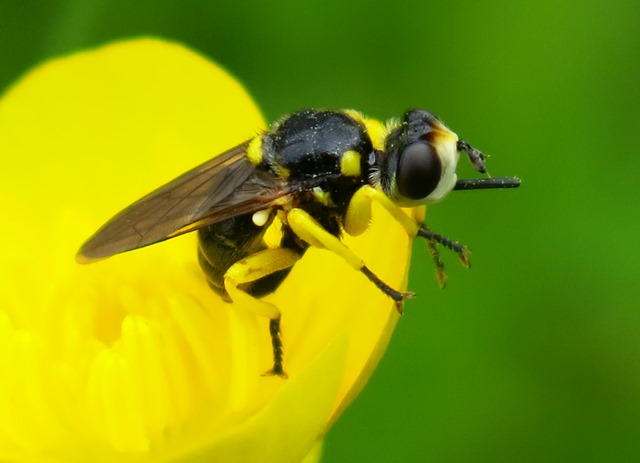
<point>313,233</point>
<point>359,212</point>
<point>359,215</point>
<point>252,268</point>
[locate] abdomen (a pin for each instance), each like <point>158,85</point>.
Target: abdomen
<point>223,244</point>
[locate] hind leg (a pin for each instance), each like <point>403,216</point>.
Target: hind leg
<point>250,269</point>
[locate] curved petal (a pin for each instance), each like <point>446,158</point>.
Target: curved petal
<point>133,358</point>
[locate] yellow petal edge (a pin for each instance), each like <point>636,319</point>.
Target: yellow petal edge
<point>134,358</point>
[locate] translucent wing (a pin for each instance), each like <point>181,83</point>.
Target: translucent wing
<point>223,187</point>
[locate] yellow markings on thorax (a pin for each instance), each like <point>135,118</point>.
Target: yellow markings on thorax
<point>282,171</point>
<point>350,164</point>
<point>377,130</point>
<point>324,197</point>
<point>254,151</point>
<point>355,115</point>
<point>255,155</point>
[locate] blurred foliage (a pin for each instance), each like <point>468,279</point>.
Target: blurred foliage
<point>534,354</point>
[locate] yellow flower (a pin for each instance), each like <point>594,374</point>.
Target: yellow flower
<point>134,358</point>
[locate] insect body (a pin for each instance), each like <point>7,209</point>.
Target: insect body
<point>317,172</point>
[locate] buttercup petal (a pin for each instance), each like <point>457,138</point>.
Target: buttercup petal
<point>134,358</point>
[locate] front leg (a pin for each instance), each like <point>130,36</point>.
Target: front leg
<point>310,231</point>
<point>455,246</point>
<point>432,240</point>
<point>358,217</point>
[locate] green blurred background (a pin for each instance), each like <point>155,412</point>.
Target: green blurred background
<point>534,354</point>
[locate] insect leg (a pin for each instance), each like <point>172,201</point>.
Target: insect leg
<point>309,230</point>
<point>359,214</point>
<point>459,248</point>
<point>441,276</point>
<point>252,268</point>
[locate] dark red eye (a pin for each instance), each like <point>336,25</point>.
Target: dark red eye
<point>419,171</point>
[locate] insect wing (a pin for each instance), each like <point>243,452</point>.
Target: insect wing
<point>223,187</point>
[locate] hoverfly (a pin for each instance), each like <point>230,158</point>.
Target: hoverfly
<point>316,171</point>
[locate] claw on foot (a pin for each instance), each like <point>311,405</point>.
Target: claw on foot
<point>276,371</point>
<point>463,257</point>
<point>399,303</point>
<point>441,277</point>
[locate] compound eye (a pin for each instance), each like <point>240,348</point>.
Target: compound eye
<point>419,171</point>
